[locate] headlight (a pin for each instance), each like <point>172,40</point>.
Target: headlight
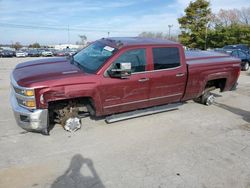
<point>29,103</point>
<point>28,93</point>
<point>25,92</point>
<point>24,96</point>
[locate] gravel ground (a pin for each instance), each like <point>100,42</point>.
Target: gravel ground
<point>195,146</point>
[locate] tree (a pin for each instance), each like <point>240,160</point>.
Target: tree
<point>157,35</point>
<point>244,15</point>
<point>17,45</point>
<point>232,34</point>
<point>152,35</point>
<point>229,27</point>
<point>35,45</point>
<point>194,24</point>
<point>232,16</point>
<point>83,39</point>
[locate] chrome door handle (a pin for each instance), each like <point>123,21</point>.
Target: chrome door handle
<point>180,74</point>
<point>143,80</point>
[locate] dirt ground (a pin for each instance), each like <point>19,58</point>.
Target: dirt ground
<point>195,146</point>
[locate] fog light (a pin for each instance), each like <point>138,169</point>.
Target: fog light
<point>30,104</point>
<point>34,125</point>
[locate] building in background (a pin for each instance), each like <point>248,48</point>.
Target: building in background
<point>7,48</point>
<point>66,46</point>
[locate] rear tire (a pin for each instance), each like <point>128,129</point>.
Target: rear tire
<point>246,66</point>
<point>207,99</point>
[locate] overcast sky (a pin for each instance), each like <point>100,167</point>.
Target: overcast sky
<point>47,21</point>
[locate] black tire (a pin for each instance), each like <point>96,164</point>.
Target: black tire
<point>197,100</point>
<point>207,99</point>
<point>246,66</point>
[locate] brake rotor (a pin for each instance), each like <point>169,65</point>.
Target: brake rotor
<point>72,124</point>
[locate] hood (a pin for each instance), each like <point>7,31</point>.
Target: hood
<point>28,74</point>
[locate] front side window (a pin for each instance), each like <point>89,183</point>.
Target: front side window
<point>136,57</point>
<point>91,58</point>
<point>166,57</point>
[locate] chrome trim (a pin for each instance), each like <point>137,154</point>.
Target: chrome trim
<point>22,97</point>
<point>36,120</point>
<point>236,65</point>
<point>157,70</point>
<point>143,80</point>
<point>225,59</point>
<point>28,108</point>
<point>70,72</point>
<point>180,74</point>
<point>144,100</point>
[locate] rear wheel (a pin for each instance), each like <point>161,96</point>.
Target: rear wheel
<point>246,66</point>
<point>208,99</point>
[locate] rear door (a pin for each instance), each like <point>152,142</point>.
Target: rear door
<point>169,75</point>
<point>119,95</point>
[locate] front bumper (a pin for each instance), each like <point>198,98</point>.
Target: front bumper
<point>234,87</point>
<point>35,120</point>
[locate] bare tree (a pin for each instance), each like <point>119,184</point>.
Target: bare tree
<point>244,15</point>
<point>228,17</point>
<point>153,35</point>
<point>83,39</point>
<point>232,16</point>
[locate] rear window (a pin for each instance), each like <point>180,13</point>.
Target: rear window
<point>165,58</point>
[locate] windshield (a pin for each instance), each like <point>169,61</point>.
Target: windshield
<point>230,47</point>
<point>94,56</point>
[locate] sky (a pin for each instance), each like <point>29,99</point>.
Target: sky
<point>58,22</point>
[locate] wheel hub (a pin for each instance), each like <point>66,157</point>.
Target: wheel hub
<point>246,66</point>
<point>210,100</point>
<point>72,124</point>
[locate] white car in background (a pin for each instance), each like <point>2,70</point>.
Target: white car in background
<point>21,54</point>
<point>47,53</point>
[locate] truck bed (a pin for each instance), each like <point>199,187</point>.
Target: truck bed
<point>207,57</point>
<point>203,66</point>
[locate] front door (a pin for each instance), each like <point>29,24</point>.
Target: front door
<point>120,95</point>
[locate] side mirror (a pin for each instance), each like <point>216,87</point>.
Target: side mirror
<point>121,70</point>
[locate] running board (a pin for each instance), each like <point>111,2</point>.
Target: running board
<point>142,112</point>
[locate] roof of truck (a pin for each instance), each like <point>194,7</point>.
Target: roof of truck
<point>127,41</point>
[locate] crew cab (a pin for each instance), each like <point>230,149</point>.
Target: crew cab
<point>115,75</point>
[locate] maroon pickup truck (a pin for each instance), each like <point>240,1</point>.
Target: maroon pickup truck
<point>115,76</point>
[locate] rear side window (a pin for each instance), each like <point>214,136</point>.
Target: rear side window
<point>165,58</point>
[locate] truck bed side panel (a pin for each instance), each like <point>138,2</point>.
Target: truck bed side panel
<point>203,70</point>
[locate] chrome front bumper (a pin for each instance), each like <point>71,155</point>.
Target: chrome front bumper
<point>35,120</point>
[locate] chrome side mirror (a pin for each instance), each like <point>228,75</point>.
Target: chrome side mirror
<point>121,70</point>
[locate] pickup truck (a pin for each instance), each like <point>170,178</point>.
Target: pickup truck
<point>115,75</point>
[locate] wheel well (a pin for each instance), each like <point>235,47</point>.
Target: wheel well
<point>78,102</point>
<point>217,83</point>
